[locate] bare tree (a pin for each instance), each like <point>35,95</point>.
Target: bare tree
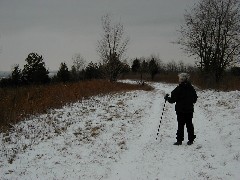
<point>211,32</point>
<point>172,66</point>
<point>77,67</point>
<point>78,62</point>
<point>112,47</point>
<point>181,67</point>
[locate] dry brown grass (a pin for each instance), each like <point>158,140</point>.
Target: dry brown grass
<point>162,77</point>
<point>229,82</point>
<point>18,103</point>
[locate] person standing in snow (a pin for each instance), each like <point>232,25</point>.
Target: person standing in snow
<point>185,96</point>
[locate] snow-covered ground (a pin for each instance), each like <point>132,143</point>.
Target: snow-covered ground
<point>114,137</point>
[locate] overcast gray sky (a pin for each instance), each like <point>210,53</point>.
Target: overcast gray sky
<point>58,29</point>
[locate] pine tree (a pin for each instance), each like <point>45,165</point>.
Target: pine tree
<point>34,71</point>
<point>136,65</point>
<point>92,71</point>
<point>16,75</point>
<point>63,73</point>
<point>153,68</point>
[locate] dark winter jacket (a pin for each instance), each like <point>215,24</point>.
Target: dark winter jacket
<point>184,95</point>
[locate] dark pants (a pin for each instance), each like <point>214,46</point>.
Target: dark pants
<point>185,118</point>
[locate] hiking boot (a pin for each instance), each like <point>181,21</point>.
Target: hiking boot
<point>189,142</point>
<point>178,143</point>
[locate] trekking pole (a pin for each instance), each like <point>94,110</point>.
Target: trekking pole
<point>161,119</point>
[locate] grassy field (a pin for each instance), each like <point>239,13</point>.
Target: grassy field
<point>16,104</point>
<point>229,82</point>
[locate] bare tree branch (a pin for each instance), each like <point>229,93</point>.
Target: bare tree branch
<point>112,47</point>
<point>211,33</point>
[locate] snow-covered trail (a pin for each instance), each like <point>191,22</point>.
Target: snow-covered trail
<point>113,137</point>
<point>151,159</point>
<point>133,162</point>
<point>148,158</point>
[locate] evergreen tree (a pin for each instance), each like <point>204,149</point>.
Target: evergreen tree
<point>35,71</point>
<point>16,75</point>
<point>153,68</point>
<point>74,74</point>
<point>92,71</point>
<point>136,65</point>
<point>63,73</point>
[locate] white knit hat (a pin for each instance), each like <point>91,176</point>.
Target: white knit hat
<point>183,77</point>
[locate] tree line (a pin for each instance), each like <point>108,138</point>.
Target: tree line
<point>36,72</point>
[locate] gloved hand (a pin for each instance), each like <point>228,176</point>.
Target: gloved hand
<point>166,97</point>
